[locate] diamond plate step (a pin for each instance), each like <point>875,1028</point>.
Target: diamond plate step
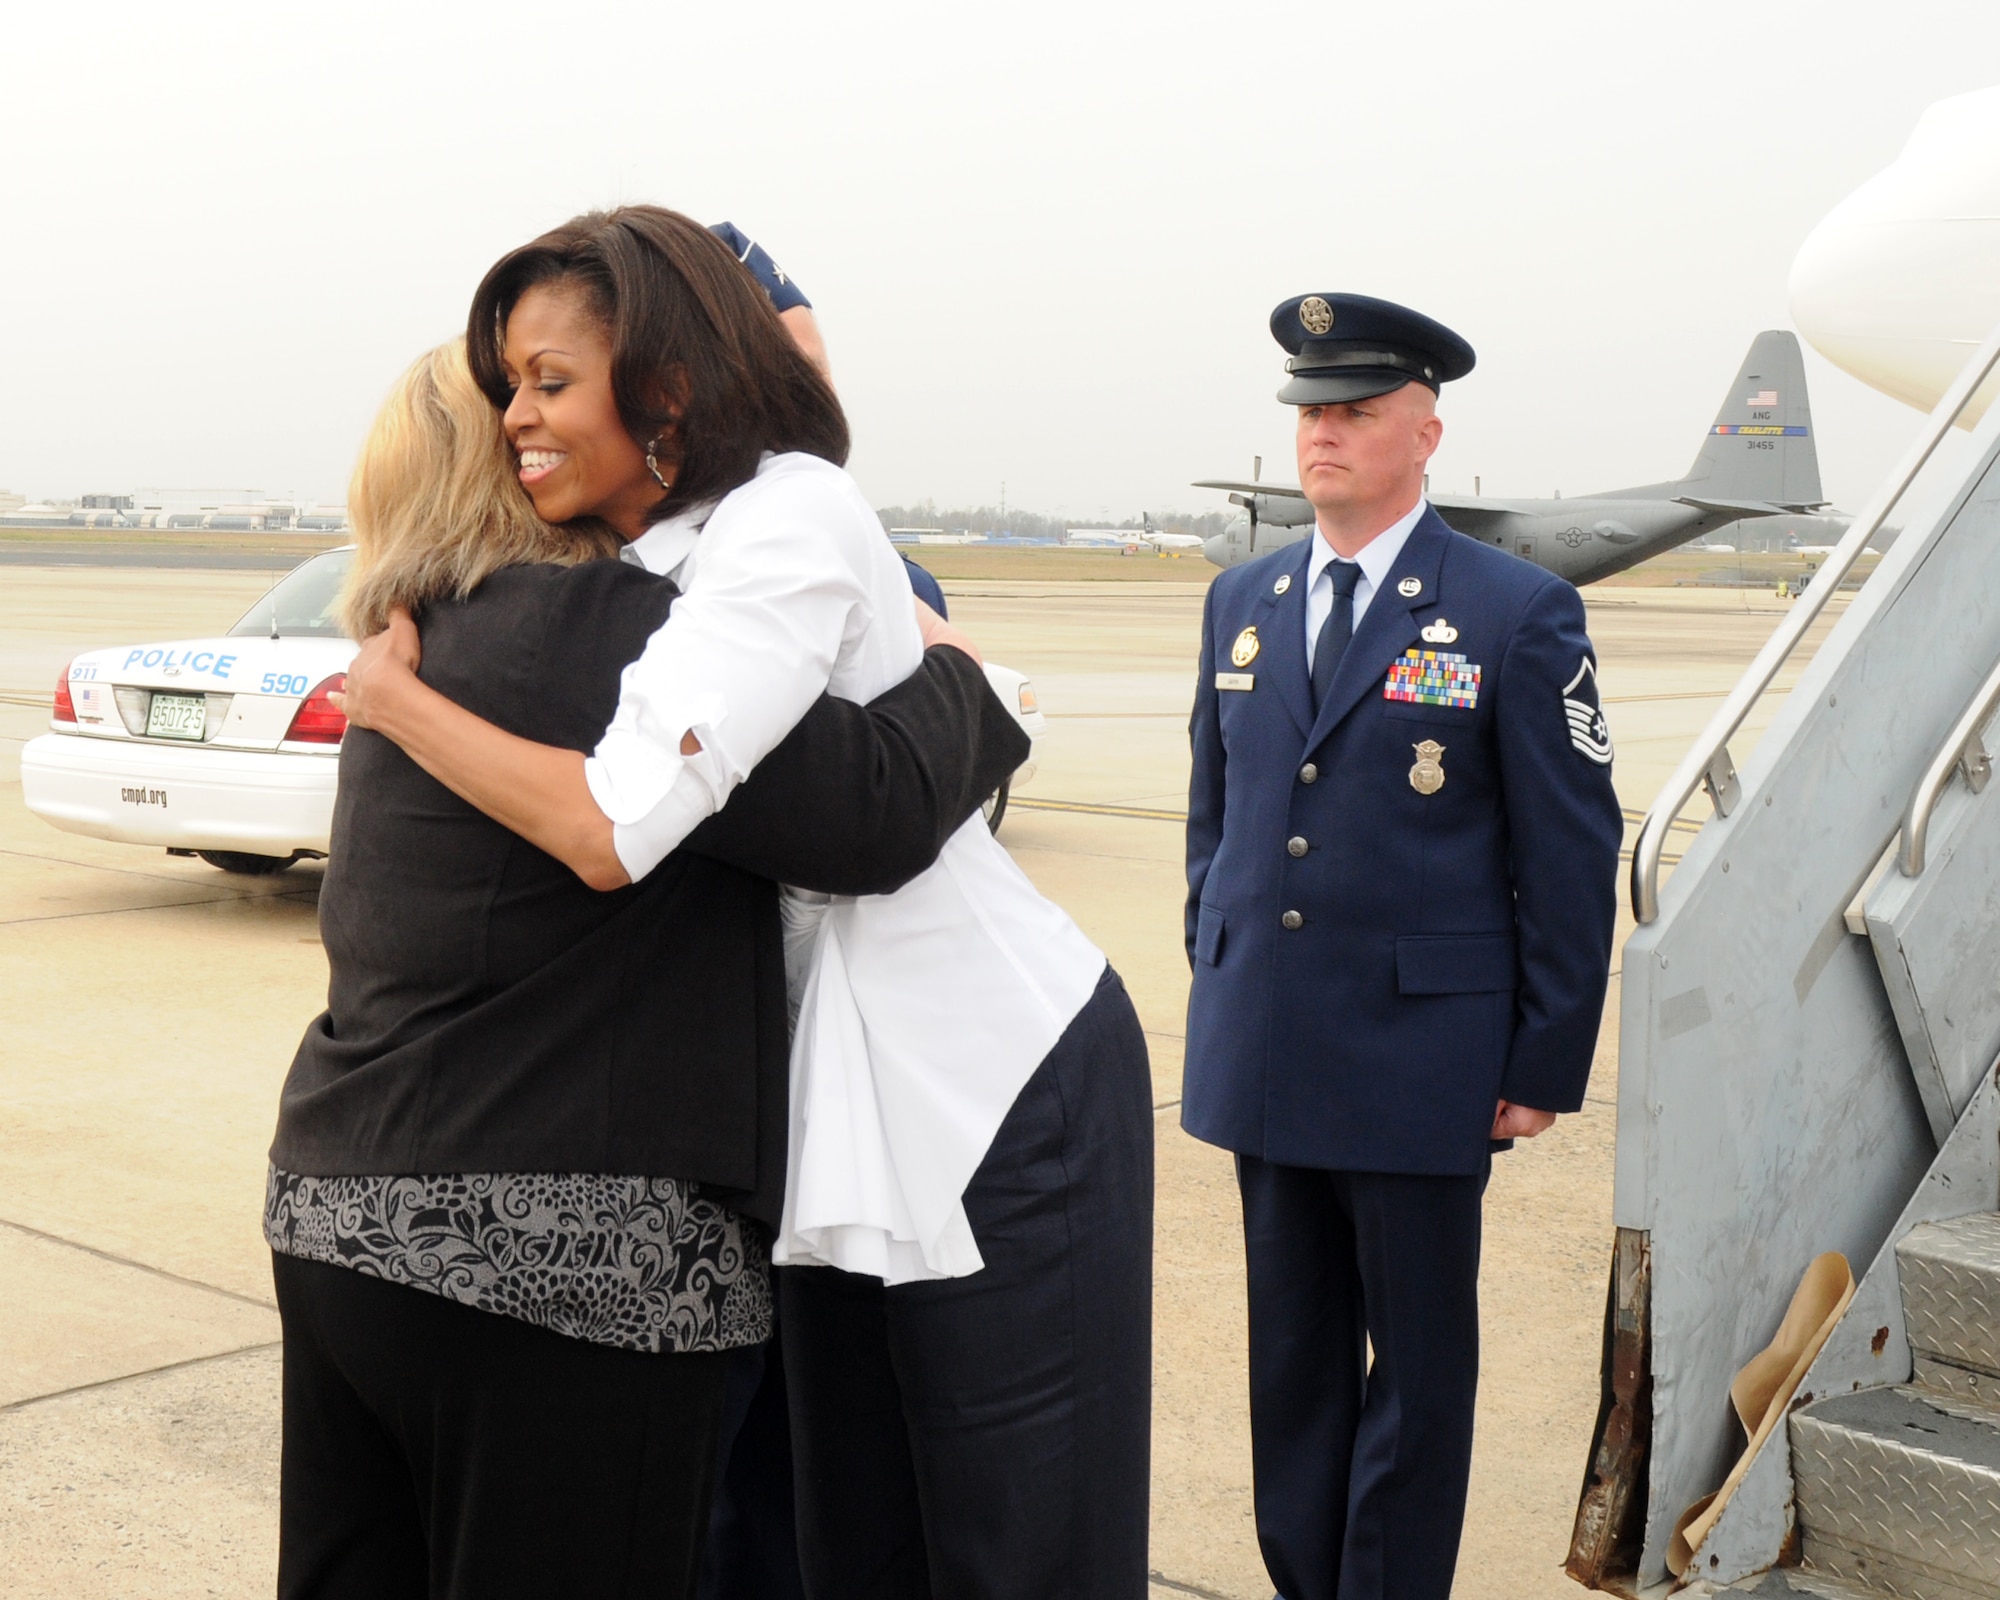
<point>1899,1496</point>
<point>1951,1298</point>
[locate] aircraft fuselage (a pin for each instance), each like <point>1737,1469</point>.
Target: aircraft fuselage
<point>1582,541</point>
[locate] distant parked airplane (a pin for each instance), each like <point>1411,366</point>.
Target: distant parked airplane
<point>1757,460</point>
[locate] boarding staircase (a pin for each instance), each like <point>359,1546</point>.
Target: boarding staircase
<point>1809,1062</point>
<point>1897,1489</point>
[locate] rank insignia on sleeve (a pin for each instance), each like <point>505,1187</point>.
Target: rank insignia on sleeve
<point>1433,678</point>
<point>1588,730</point>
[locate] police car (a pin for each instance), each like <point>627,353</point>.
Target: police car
<point>228,748</point>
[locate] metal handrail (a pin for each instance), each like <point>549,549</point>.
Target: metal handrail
<point>1962,748</point>
<point>1708,762</point>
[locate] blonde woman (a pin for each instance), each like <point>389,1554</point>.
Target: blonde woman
<point>527,1158</point>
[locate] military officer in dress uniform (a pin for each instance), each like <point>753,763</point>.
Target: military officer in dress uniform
<point>1402,852</point>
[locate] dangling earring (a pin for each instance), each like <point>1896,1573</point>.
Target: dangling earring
<point>653,464</point>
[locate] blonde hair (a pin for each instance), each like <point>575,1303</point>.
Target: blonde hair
<point>435,502</point>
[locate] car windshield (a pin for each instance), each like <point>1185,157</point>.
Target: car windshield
<point>300,603</point>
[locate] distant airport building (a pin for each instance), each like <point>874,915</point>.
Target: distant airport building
<point>934,536</point>
<point>1104,536</point>
<point>176,510</point>
<point>25,515</point>
<point>213,510</point>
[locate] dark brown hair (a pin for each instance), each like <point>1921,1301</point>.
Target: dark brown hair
<point>691,333</point>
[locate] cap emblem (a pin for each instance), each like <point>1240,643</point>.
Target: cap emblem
<point>1315,315</point>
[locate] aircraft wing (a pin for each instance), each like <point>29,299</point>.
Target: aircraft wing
<point>1469,515</point>
<point>1250,488</point>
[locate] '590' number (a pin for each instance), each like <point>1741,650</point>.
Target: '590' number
<point>283,683</point>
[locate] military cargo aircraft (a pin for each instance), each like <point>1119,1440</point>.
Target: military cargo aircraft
<point>1757,460</point>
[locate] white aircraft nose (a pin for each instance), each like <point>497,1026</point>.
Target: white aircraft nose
<point>1900,282</point>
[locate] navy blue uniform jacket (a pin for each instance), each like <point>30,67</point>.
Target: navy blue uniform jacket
<point>1451,948</point>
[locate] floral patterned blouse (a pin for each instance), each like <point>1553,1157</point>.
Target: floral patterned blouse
<point>648,1264</point>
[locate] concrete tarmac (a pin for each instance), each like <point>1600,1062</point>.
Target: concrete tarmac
<point>149,1007</point>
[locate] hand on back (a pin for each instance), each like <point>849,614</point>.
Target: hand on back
<point>384,658</point>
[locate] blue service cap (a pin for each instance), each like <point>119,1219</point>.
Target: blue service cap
<point>1352,346</point>
<point>784,293</point>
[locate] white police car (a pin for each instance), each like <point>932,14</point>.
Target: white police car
<point>229,748</point>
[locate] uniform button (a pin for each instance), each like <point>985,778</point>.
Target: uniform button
<point>1298,847</point>
<point>1308,773</point>
<point>1292,920</point>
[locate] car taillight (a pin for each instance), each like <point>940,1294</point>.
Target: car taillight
<point>319,720</point>
<point>65,710</point>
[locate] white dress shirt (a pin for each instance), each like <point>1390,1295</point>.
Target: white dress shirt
<point>921,1013</point>
<point>1376,559</point>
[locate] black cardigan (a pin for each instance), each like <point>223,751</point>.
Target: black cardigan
<point>487,1012</point>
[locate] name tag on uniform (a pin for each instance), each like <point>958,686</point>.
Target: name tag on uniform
<point>1236,680</point>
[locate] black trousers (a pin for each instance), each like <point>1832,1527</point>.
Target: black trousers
<point>435,1450</point>
<point>753,1542</point>
<point>1361,1468</point>
<point>987,1438</point>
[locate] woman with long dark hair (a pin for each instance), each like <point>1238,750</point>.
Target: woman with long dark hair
<point>528,1158</point>
<point>968,1213</point>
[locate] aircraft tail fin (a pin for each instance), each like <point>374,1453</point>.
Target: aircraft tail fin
<point>1760,446</point>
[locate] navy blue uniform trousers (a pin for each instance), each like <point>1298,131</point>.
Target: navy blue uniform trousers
<point>1361,1467</point>
<point>987,1437</point>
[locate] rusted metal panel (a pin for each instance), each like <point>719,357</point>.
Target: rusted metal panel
<point>1610,1512</point>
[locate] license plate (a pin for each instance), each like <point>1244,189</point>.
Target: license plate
<point>177,716</point>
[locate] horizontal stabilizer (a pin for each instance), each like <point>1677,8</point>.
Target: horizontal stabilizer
<point>1250,488</point>
<point>1737,508</point>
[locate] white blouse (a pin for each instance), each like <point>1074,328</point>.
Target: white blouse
<point>921,1014</point>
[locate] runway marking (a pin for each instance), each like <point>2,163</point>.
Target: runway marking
<point>1684,694</point>
<point>1084,809</point>
<point>138,1266</point>
<point>149,1372</point>
<point>1679,824</point>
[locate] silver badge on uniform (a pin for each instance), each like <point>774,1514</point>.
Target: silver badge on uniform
<point>1315,315</point>
<point>1427,776</point>
<point>1284,582</point>
<point>1440,632</point>
<point>1588,730</point>
<point>1410,588</point>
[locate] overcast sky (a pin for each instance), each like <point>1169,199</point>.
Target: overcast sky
<point>1043,239</point>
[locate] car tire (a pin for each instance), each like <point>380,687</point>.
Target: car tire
<point>996,806</point>
<point>245,864</point>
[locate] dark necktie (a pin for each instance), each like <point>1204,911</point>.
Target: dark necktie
<point>1337,629</point>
